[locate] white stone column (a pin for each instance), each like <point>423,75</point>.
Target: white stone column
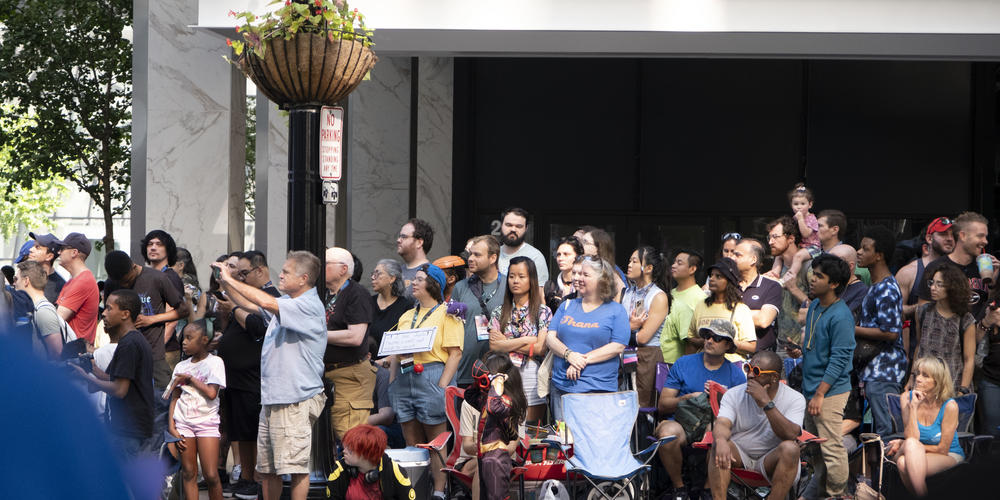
<point>192,134</point>
<point>271,236</point>
<point>379,160</point>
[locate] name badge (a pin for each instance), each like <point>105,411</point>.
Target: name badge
<point>482,327</point>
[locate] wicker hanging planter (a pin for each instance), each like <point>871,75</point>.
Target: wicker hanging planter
<point>308,68</point>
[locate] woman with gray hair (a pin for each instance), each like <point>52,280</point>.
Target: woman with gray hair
<point>587,334</point>
<point>390,301</point>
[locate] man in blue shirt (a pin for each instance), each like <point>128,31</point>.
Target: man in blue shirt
<point>827,349</point>
<point>689,378</point>
<point>881,322</point>
<point>291,370</point>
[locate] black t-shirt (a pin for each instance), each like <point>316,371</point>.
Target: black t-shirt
<point>759,293</point>
<point>239,349</point>
<point>385,319</point>
<point>350,306</point>
<point>133,360</point>
<point>53,286</point>
<point>991,364</point>
<point>854,296</point>
<point>173,344</point>
<point>980,292</point>
<point>155,290</point>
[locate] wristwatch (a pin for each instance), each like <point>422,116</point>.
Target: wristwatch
<point>769,405</point>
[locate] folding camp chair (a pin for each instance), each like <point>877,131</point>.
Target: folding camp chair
<point>599,426</point>
<point>966,409</point>
<point>751,480</point>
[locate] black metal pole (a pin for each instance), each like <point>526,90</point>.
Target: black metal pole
<point>307,231</point>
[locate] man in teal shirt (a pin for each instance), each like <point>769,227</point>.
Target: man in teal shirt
<point>827,350</point>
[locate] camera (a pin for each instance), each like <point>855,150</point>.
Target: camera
<point>85,361</point>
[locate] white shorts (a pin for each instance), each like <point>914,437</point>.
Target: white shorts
<point>758,464</point>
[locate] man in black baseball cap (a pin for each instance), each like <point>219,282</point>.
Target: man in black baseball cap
<point>45,251</point>
<point>78,241</point>
<point>78,302</point>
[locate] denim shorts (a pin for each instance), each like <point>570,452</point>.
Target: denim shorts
<point>417,396</point>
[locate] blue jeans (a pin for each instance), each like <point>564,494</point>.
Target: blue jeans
<point>555,402</point>
<point>988,406</point>
<point>875,392</point>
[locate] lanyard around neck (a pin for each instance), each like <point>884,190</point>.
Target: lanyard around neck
<point>414,324</point>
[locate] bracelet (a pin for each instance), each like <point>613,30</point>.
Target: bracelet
<point>567,353</point>
<point>987,329</point>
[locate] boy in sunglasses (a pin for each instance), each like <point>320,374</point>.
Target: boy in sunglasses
<point>757,428</point>
<point>689,378</point>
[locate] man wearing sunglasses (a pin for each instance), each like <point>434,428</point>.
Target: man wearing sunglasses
<point>688,378</point>
<point>757,428</point>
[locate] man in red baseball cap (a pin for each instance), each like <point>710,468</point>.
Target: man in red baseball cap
<point>938,242</point>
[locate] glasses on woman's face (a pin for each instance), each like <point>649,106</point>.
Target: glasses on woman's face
<point>756,371</point>
<point>935,284</point>
<point>419,279</point>
<point>715,338</point>
<point>377,274</point>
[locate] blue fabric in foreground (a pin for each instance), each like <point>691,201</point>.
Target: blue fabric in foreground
<point>601,450</point>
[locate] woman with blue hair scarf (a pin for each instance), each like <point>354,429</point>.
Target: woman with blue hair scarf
<point>419,379</point>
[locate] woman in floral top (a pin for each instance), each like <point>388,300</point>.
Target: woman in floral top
<point>515,325</point>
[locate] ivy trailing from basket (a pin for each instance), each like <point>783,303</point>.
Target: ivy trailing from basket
<point>331,18</point>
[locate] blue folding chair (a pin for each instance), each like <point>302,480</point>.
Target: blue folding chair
<point>966,409</point>
<point>600,449</point>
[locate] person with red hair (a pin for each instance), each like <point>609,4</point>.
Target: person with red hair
<point>364,472</point>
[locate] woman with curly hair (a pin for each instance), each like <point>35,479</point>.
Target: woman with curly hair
<point>724,302</point>
<point>945,328</point>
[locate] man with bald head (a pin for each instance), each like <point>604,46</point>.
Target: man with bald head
<point>757,428</point>
<point>348,313</point>
<point>856,289</point>
<point>762,295</point>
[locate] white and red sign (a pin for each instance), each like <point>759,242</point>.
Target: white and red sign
<point>331,134</point>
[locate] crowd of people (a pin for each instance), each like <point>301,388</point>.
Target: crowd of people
<point>246,365</point>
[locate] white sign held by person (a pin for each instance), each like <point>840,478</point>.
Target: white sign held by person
<point>407,341</point>
<point>331,134</point>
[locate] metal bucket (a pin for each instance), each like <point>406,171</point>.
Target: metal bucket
<point>417,464</point>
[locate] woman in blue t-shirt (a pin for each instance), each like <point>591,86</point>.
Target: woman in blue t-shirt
<point>587,335</point>
<point>933,447</point>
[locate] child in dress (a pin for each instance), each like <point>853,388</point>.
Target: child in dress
<point>499,396</point>
<point>194,409</point>
<point>801,199</point>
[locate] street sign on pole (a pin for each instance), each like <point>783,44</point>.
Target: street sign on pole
<point>331,134</point>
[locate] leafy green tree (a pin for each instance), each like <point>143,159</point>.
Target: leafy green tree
<point>68,64</point>
<point>33,207</point>
<point>250,182</point>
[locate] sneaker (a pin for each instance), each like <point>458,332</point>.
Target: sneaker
<point>675,494</point>
<point>247,490</point>
<point>235,476</point>
<point>227,490</point>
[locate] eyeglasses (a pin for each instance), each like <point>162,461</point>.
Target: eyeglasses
<point>715,338</point>
<point>756,371</point>
<point>402,236</point>
<point>377,274</point>
<point>935,284</point>
<point>732,236</point>
<point>243,273</point>
<point>418,279</point>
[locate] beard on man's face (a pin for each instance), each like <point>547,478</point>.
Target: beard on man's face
<point>512,239</point>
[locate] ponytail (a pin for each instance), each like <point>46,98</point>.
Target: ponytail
<point>660,275</point>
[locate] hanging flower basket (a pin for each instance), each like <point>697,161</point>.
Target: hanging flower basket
<point>308,68</point>
<point>311,52</point>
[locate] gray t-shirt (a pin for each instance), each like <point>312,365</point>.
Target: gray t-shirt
<point>532,253</point>
<point>473,348</point>
<point>46,322</point>
<point>408,274</point>
<point>751,430</point>
<point>291,357</point>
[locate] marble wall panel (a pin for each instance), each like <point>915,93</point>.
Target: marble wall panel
<point>435,116</point>
<point>379,160</point>
<point>190,110</point>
